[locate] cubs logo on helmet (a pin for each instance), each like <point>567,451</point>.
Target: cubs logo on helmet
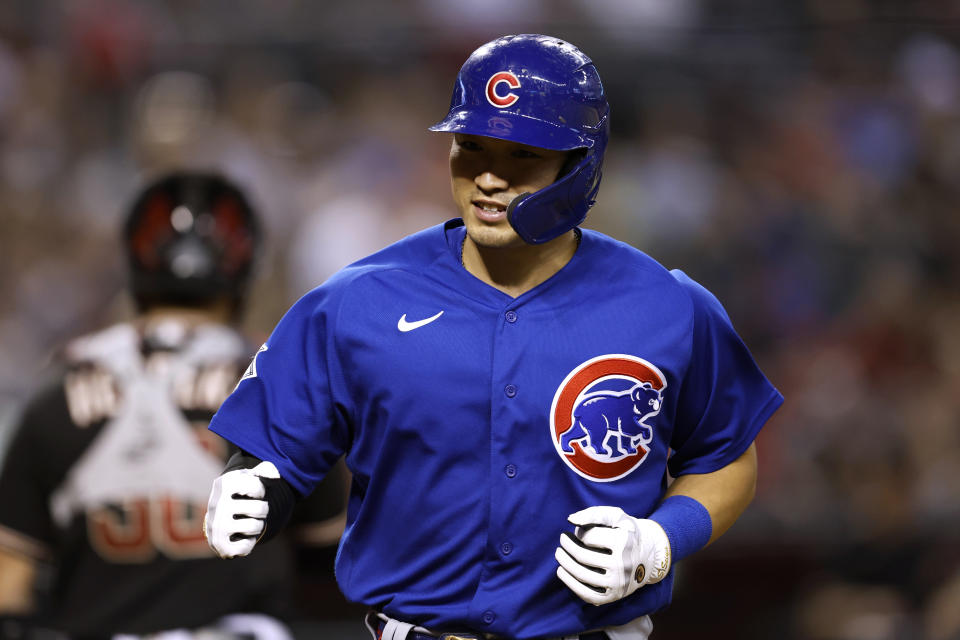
<point>502,77</point>
<point>602,415</point>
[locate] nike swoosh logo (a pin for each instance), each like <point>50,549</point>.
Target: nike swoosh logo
<point>403,325</point>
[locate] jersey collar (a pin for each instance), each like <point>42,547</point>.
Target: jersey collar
<point>455,232</point>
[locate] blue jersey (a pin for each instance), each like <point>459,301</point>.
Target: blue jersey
<point>474,423</point>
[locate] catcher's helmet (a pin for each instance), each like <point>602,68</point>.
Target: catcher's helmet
<point>543,92</point>
<point>191,238</point>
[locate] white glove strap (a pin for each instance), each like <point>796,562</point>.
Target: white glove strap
<point>654,557</point>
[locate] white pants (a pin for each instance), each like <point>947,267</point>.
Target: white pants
<point>638,629</point>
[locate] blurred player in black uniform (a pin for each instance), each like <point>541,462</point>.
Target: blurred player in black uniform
<point>105,483</point>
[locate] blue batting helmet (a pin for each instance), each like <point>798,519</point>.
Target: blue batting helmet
<point>543,92</point>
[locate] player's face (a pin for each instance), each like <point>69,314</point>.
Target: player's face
<point>487,173</point>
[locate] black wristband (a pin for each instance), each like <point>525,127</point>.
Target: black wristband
<point>280,496</point>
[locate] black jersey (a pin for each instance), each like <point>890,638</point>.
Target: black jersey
<point>107,478</point>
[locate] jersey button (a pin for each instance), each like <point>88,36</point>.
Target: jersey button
<point>510,470</point>
<point>510,390</point>
<point>511,316</point>
<point>506,548</point>
<point>488,617</point>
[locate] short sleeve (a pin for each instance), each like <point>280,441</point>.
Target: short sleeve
<point>724,398</point>
<point>289,407</point>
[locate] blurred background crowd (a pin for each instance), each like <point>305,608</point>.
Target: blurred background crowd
<point>800,158</point>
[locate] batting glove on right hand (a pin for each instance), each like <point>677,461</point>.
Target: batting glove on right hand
<point>236,513</point>
<point>611,554</point>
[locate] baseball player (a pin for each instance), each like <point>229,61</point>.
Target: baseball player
<point>512,393</point>
<point>105,484</point>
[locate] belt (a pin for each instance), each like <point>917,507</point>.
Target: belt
<point>416,635</point>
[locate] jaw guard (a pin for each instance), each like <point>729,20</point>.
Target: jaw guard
<point>546,214</point>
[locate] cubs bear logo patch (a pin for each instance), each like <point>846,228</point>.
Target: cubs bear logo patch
<point>602,415</point>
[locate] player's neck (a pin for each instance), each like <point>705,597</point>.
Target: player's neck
<point>516,270</point>
<point>215,313</point>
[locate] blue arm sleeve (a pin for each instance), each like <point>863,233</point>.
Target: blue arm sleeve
<point>724,399</point>
<point>289,407</point>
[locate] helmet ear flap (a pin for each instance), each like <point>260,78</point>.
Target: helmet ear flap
<point>573,159</point>
<point>556,209</point>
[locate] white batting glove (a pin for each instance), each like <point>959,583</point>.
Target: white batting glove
<point>611,554</point>
<point>236,513</point>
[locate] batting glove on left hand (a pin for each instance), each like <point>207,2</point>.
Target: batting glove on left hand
<point>236,512</point>
<point>611,554</point>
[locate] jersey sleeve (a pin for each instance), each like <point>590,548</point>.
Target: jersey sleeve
<point>28,476</point>
<point>289,407</point>
<point>724,398</point>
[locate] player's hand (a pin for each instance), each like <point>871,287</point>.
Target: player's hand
<point>236,511</point>
<point>611,554</point>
